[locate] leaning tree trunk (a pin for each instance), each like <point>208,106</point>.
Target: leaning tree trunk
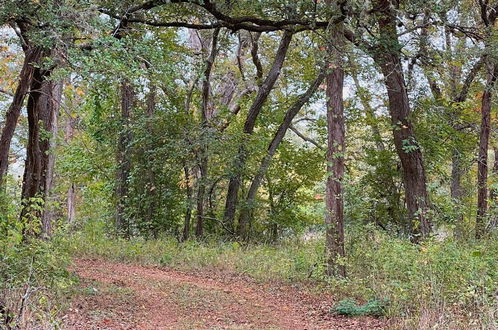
<point>249,124</point>
<point>124,159</point>
<point>387,56</point>
<point>482,160</point>
<point>43,108</point>
<point>246,211</point>
<point>31,59</point>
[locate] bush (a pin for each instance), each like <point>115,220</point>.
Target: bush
<point>33,276</point>
<point>349,307</point>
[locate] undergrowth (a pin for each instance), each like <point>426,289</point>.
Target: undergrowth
<point>34,278</point>
<point>446,284</point>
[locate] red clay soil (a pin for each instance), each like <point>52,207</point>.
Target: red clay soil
<point>124,296</point>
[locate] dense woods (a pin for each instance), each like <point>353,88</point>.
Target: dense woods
<point>365,127</point>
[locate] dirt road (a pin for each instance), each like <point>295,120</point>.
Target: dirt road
<point>124,296</point>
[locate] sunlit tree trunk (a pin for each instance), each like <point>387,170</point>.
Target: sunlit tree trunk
<point>71,191</point>
<point>336,148</point>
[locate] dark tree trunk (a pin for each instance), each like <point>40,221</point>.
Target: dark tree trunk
<point>32,58</point>
<point>482,161</point>
<point>387,56</point>
<point>124,159</point>
<point>336,148</point>
<point>43,108</point>
<point>203,154</point>
<point>240,159</point>
<point>246,211</point>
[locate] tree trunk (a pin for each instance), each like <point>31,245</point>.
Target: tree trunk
<point>482,161</point>
<point>203,154</point>
<point>124,159</point>
<point>387,56</point>
<point>246,211</point>
<point>240,159</point>
<point>188,212</point>
<point>43,108</point>
<point>32,58</point>
<point>71,192</point>
<point>493,194</point>
<point>336,148</point>
<point>151,178</point>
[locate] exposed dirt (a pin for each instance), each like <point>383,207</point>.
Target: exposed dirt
<point>124,296</point>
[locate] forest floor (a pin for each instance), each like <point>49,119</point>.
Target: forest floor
<point>125,296</point>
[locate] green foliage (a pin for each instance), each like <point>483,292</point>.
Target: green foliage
<point>349,307</point>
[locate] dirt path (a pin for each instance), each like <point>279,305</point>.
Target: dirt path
<point>123,296</point>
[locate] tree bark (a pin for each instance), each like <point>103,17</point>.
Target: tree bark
<point>240,159</point>
<point>32,58</point>
<point>124,159</point>
<point>336,148</point>
<point>203,154</point>
<point>246,214</point>
<point>387,56</point>
<point>43,108</point>
<point>482,162</point>
<point>151,178</point>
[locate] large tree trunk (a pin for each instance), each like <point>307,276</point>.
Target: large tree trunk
<point>387,56</point>
<point>240,159</point>
<point>31,59</point>
<point>203,154</point>
<point>124,159</point>
<point>336,148</point>
<point>246,211</point>
<point>43,108</point>
<point>482,161</point>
